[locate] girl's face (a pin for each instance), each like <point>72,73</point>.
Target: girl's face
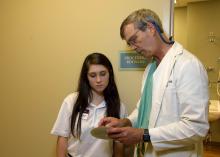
<point>98,76</point>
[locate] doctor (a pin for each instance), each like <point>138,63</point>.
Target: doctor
<point>171,117</point>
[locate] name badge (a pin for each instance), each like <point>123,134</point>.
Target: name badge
<point>85,114</point>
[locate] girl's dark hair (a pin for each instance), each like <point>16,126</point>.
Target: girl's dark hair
<point>111,95</point>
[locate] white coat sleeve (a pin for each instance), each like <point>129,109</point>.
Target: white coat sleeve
<point>123,111</point>
<point>192,95</point>
<point>134,114</point>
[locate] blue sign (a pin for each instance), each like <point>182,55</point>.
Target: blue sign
<point>131,60</point>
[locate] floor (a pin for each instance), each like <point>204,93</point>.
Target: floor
<point>212,151</point>
<point>209,151</point>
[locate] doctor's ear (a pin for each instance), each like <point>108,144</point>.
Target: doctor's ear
<point>151,27</point>
<point>147,26</point>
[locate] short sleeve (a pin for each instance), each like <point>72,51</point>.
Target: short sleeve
<point>62,124</point>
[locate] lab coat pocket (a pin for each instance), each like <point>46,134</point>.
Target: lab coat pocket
<point>170,107</point>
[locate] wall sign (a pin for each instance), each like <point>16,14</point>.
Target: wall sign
<point>131,60</point>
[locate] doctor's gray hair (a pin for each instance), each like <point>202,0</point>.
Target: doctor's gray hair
<point>140,18</point>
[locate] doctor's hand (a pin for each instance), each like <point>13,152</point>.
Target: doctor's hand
<point>126,135</point>
<point>114,122</point>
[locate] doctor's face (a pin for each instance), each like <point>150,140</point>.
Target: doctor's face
<point>140,41</point>
<point>98,77</point>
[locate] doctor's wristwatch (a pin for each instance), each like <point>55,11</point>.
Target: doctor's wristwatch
<point>146,136</point>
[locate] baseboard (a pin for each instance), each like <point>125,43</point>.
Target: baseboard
<point>212,143</point>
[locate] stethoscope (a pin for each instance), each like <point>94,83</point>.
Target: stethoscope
<point>170,42</point>
<point>160,32</point>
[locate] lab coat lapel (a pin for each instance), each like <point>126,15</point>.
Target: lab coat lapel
<point>160,81</point>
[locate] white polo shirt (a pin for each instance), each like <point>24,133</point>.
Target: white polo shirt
<point>87,146</point>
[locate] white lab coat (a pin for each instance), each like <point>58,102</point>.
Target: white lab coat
<point>179,115</point>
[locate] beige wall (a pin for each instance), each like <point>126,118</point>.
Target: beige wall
<point>202,18</point>
<point>180,25</point>
<point>42,46</point>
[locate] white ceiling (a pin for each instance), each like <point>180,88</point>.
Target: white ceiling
<point>181,3</point>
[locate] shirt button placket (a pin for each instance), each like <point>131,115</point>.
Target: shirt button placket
<point>94,117</point>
